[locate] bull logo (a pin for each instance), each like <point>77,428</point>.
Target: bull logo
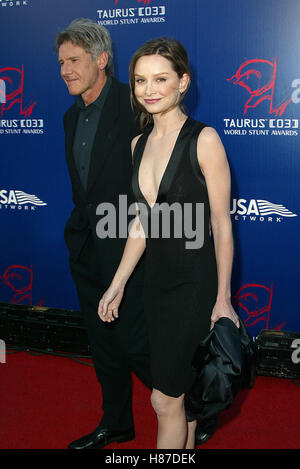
<point>19,279</point>
<point>254,302</point>
<point>258,77</point>
<point>12,80</point>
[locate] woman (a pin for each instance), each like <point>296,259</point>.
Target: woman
<point>181,175</point>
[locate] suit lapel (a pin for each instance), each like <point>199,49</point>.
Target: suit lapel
<point>105,135</point>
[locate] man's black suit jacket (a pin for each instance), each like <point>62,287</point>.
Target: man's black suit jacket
<point>109,176</point>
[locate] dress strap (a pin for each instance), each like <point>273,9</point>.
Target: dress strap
<point>139,147</point>
<point>198,127</point>
<point>136,159</point>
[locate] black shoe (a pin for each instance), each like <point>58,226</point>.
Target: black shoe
<point>205,431</point>
<point>100,438</point>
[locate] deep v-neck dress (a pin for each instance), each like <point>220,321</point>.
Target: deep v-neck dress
<point>181,275</point>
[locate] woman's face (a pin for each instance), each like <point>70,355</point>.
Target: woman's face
<point>157,85</point>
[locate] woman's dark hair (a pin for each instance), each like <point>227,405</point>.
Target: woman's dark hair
<point>175,53</point>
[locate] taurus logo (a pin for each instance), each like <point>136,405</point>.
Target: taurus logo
<point>258,77</point>
<point>254,302</point>
<point>13,79</point>
<point>20,279</point>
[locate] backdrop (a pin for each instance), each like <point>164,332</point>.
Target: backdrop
<point>245,83</point>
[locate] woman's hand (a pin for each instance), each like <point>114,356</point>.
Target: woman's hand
<point>109,304</point>
<point>223,308</point>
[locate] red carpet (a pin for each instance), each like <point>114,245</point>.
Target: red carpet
<point>47,401</point>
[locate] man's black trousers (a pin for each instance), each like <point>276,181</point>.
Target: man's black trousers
<point>118,347</point>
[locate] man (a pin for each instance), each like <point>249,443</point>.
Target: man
<point>98,128</point>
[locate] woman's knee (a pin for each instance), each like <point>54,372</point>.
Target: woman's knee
<point>165,405</point>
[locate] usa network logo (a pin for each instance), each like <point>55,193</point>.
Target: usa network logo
<point>259,210</point>
<point>19,200</point>
<point>14,3</point>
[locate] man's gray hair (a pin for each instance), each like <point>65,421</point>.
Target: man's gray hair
<point>91,36</point>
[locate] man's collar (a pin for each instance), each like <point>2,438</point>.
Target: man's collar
<point>98,101</point>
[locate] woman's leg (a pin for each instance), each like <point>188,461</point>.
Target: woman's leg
<point>172,424</point>
<point>190,442</point>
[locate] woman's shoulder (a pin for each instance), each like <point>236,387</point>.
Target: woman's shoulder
<point>209,146</point>
<point>202,133</point>
<point>206,133</point>
<point>201,127</point>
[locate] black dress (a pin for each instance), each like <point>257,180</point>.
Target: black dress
<point>181,274</point>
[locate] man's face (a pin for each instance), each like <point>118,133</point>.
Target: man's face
<point>78,69</point>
